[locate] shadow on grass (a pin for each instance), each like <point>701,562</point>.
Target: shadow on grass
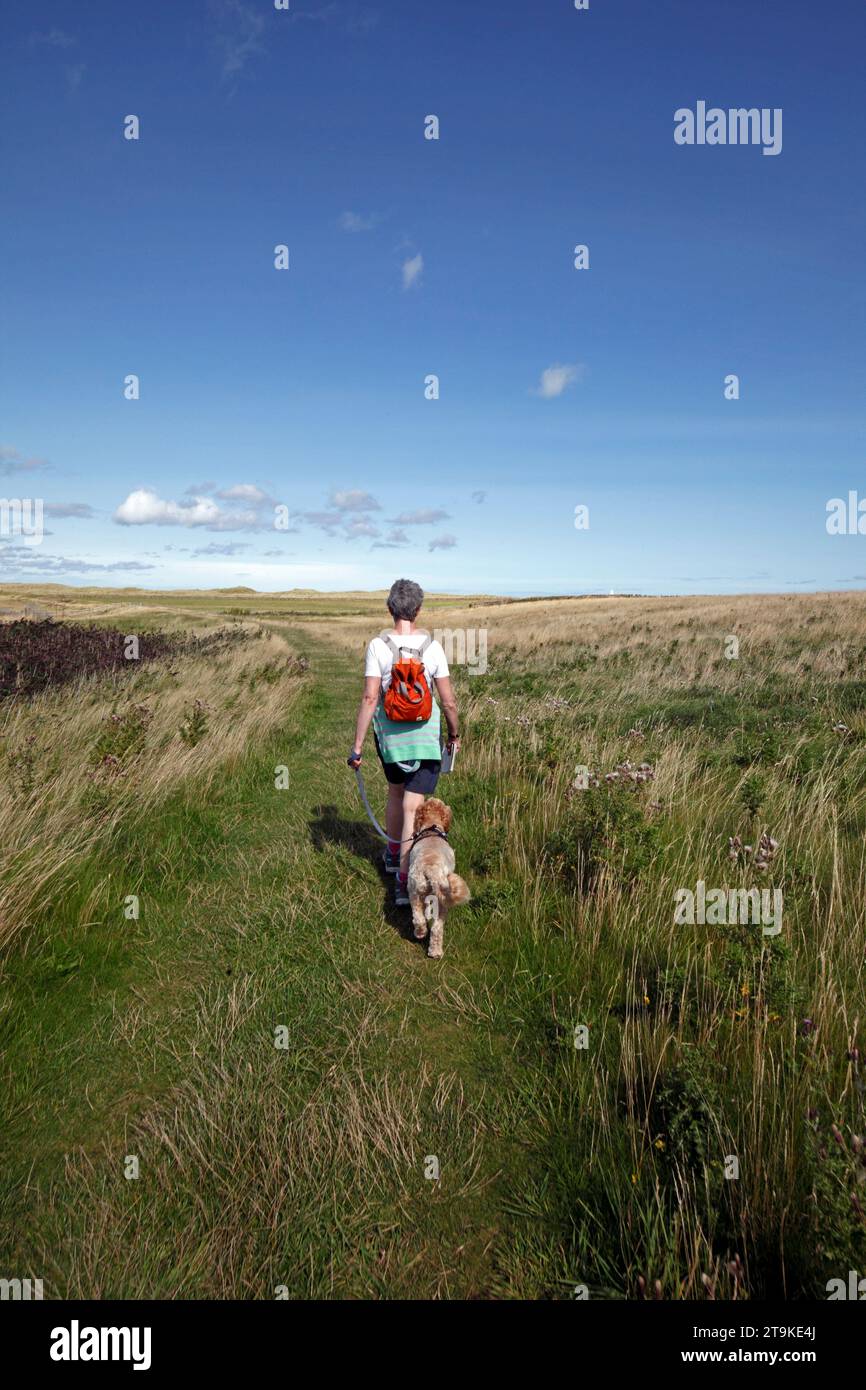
<point>400,918</point>
<point>329,828</point>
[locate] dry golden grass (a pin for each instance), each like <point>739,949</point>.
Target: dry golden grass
<point>58,801</point>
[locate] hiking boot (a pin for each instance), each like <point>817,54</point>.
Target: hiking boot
<point>401,893</point>
<point>391,862</point>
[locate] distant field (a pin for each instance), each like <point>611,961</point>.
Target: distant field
<point>617,1099</point>
<point>57,600</point>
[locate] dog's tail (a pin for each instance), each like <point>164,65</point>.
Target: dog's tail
<point>456,891</point>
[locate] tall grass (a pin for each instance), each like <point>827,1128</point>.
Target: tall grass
<point>102,752</point>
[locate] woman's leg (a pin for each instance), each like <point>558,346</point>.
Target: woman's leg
<point>394,816</point>
<point>411,802</point>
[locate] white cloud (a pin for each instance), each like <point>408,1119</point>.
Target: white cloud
<point>238,34</point>
<point>23,559</point>
<point>412,269</point>
<point>359,526</point>
<point>67,509</point>
<point>144,507</point>
<point>12,461</point>
<point>353,500</point>
<point>394,540</point>
<point>244,492</point>
<point>326,521</point>
<point>355,222</point>
<point>221,548</point>
<point>345,15</point>
<point>424,516</point>
<point>555,379</point>
<point>442,543</point>
<point>54,38</point>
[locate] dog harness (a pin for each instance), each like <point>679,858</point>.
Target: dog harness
<point>429,830</point>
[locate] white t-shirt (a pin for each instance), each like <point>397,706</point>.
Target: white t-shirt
<point>379,659</point>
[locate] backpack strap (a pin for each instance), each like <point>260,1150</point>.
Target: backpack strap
<point>390,644</point>
<point>395,651</point>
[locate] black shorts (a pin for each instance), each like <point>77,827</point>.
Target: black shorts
<point>422,780</point>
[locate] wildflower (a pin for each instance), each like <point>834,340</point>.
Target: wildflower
<point>767,847</point>
<point>764,855</point>
<point>627,772</point>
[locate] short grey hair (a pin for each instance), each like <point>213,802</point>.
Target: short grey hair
<point>405,599</point>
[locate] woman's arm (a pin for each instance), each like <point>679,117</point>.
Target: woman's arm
<point>449,708</point>
<point>366,710</point>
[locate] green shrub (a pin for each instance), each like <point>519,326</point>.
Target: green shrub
<point>752,794</point>
<point>123,734</point>
<point>194,726</point>
<point>607,828</point>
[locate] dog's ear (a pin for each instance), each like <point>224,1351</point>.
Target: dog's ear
<point>422,816</point>
<point>446,818</point>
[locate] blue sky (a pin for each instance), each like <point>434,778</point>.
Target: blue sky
<point>409,257</point>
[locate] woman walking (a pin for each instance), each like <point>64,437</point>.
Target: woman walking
<point>409,749</point>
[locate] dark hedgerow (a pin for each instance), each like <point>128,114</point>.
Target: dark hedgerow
<point>35,655</point>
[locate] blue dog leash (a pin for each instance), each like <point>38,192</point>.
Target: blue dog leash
<point>375,824</point>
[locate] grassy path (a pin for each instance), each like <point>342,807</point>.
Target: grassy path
<point>274,1051</point>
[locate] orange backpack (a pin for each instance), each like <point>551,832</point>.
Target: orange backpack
<point>408,698</point>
